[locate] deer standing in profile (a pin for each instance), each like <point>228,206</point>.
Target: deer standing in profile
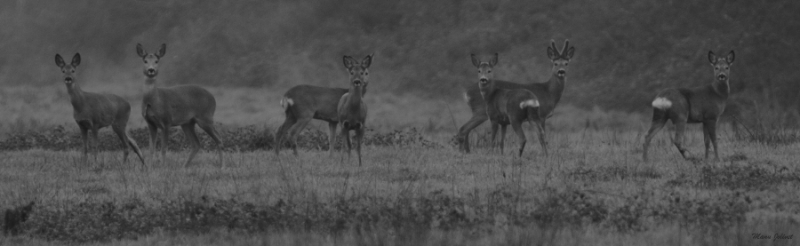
<point>505,106</point>
<point>548,95</point>
<point>352,110</point>
<point>181,105</point>
<point>305,102</point>
<point>702,104</point>
<point>93,111</point>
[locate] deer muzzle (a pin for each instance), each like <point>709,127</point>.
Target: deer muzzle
<point>357,83</point>
<point>150,71</point>
<point>722,77</point>
<point>561,73</point>
<point>484,81</point>
<point>68,80</point>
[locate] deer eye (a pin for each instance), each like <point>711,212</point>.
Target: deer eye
<point>73,70</point>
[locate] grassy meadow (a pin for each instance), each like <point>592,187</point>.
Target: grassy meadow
<point>593,188</point>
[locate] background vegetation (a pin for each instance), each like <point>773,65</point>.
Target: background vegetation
<point>626,50</point>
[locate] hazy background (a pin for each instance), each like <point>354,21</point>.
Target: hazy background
<point>626,51</point>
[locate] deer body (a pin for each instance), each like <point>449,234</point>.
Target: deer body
<point>93,111</point>
<point>305,102</point>
<point>505,106</point>
<point>702,104</point>
<point>182,105</point>
<point>548,95</point>
<point>352,110</point>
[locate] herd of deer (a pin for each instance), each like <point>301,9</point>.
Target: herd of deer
<point>500,102</point>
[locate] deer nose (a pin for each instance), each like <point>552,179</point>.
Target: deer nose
<point>68,79</point>
<point>151,71</point>
<point>562,72</point>
<point>722,77</point>
<point>357,82</point>
<point>484,80</point>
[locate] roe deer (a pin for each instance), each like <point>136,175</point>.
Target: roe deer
<point>505,106</point>
<point>93,111</point>
<point>305,102</point>
<point>702,104</point>
<point>352,110</point>
<point>548,94</point>
<point>181,105</point>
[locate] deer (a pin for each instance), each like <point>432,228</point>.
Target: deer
<point>548,95</point>
<point>352,110</point>
<point>181,105</point>
<point>303,103</point>
<point>93,111</point>
<point>505,106</point>
<point>703,104</point>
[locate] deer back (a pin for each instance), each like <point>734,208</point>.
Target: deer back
<point>319,102</point>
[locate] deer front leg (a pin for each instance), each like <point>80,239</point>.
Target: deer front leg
<point>711,128</point>
<point>359,138</point>
<point>85,138</point>
<point>164,143</point>
<point>331,136</point>
<point>463,133</point>
<point>153,129</point>
<point>94,144</point>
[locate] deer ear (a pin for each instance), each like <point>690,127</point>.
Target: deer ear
<point>552,52</point>
<point>76,60</point>
<point>140,51</point>
<point>60,61</point>
<point>348,62</point>
<point>475,61</point>
<point>712,58</point>
<point>494,60</point>
<point>570,52</point>
<point>730,57</point>
<point>367,61</point>
<point>162,51</point>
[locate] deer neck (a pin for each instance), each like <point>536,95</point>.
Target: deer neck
<point>75,95</point>
<point>488,91</point>
<point>356,92</point>
<point>722,88</point>
<point>555,86</point>
<point>150,84</point>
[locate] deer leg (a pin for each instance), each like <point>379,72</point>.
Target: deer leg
<point>153,129</point>
<point>208,127</point>
<point>711,127</point>
<point>191,136</point>
<point>94,144</point>
<point>122,138</point>
<point>517,126</point>
<point>540,126</point>
<point>280,135</point>
<point>295,129</point>
<point>463,133</point>
<point>164,142</point>
<point>502,137</point>
<point>680,127</point>
<point>706,139</point>
<point>346,136</point>
<point>85,138</point>
<point>331,136</point>
<point>492,145</point>
<point>659,120</point>
<point>359,137</point>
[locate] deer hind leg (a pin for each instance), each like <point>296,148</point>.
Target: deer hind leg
<point>711,128</point>
<point>493,143</point>
<point>659,120</point>
<point>517,126</point>
<point>680,127</point>
<point>120,131</point>
<point>346,135</point>
<point>280,135</point>
<point>191,136</point>
<point>540,127</point>
<point>153,130</point>
<point>463,133</point>
<point>208,127</point>
<point>331,136</point>
<point>502,137</point>
<point>94,145</point>
<point>295,130</point>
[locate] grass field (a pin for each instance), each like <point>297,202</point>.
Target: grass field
<point>593,188</point>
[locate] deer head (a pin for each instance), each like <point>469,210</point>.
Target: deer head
<point>561,58</point>
<point>722,65</point>
<point>485,76</point>
<point>150,60</point>
<point>359,71</point>
<point>68,69</point>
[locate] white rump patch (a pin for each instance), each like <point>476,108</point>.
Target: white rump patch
<point>662,103</point>
<point>466,97</point>
<point>286,102</point>
<point>529,103</point>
